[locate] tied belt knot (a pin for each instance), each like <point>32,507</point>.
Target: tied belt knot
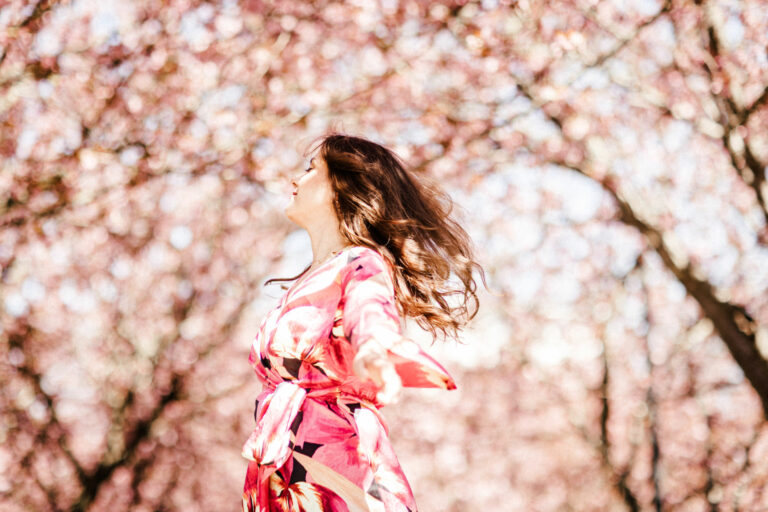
<point>269,444</point>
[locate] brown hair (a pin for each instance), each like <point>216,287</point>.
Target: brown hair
<point>381,205</point>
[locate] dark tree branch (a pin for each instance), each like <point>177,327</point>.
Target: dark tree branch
<point>41,7</point>
<point>602,444</point>
<point>655,450</point>
<point>624,41</point>
<point>710,483</point>
<point>650,398</point>
<point>733,323</point>
<point>136,433</point>
<point>733,116</point>
<point>754,107</point>
<point>140,431</point>
<point>626,493</point>
<point>16,339</point>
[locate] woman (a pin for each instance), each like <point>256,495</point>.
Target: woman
<point>331,353</point>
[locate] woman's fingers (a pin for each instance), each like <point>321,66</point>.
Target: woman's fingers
<point>378,368</point>
<point>390,384</point>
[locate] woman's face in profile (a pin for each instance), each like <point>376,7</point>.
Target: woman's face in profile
<point>312,198</point>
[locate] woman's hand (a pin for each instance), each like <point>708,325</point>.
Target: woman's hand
<point>371,362</point>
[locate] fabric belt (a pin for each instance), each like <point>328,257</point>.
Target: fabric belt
<point>269,443</point>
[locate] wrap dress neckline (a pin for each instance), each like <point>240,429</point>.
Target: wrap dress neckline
<point>310,272</point>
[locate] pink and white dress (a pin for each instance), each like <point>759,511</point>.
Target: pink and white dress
<point>320,443</point>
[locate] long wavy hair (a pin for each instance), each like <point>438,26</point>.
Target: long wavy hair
<point>382,205</point>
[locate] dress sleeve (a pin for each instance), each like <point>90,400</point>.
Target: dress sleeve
<point>371,323</point>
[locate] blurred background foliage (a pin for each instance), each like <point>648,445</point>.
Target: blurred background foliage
<point>607,156</point>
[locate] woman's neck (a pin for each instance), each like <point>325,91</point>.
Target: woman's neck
<point>326,242</point>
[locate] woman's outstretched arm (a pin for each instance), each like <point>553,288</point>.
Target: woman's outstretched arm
<point>371,321</point>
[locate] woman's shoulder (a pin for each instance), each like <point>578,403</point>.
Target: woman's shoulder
<point>363,255</point>
<point>362,262</point>
<point>357,251</point>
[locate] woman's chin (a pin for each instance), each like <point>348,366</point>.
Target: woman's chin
<point>290,212</point>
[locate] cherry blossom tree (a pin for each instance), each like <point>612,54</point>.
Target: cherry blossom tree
<point>608,158</point>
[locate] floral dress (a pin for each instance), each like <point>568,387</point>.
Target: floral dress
<point>320,442</point>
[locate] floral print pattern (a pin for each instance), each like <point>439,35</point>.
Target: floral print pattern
<point>320,443</point>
